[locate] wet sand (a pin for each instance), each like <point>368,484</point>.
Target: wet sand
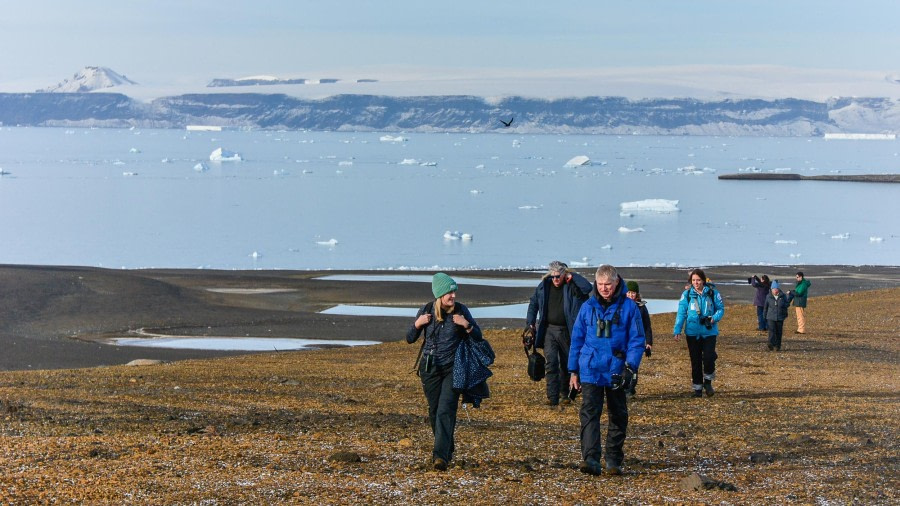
<point>58,317</point>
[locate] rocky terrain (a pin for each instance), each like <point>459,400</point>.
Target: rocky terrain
<point>813,424</point>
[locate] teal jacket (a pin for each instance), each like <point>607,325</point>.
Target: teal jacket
<point>695,306</point>
<point>800,292</point>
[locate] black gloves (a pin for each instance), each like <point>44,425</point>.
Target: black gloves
<point>626,380</point>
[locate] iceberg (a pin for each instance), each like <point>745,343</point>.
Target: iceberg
<point>330,242</point>
<point>626,230</point>
<point>392,138</point>
<point>223,155</point>
<point>578,161</point>
<point>651,205</point>
<point>201,167</point>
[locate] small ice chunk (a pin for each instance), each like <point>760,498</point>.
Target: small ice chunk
<point>651,205</point>
<point>409,161</point>
<point>529,207</point>
<point>392,138</point>
<point>201,167</point>
<point>626,230</point>
<point>345,163</point>
<point>224,155</point>
<point>578,161</point>
<point>428,164</point>
<point>452,236</point>
<point>134,150</point>
<point>255,255</point>
<point>466,237</point>
<point>875,239</point>
<point>129,173</point>
<point>626,215</point>
<point>479,166</point>
<point>784,241</point>
<point>606,246</point>
<point>845,235</point>
<point>475,192</point>
<point>329,242</point>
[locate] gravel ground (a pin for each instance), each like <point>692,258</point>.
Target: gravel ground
<point>813,424</point>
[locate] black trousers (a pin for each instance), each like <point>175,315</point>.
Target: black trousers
<point>703,359</point>
<point>437,382</point>
<point>776,328</point>
<point>591,409</point>
<point>556,351</point>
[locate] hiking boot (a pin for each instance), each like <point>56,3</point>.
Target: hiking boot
<point>770,347</point>
<point>565,402</point>
<point>707,385</point>
<point>698,393</point>
<point>440,464</point>
<point>552,403</point>
<point>613,468</point>
<point>591,466</point>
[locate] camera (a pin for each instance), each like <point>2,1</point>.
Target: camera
<point>707,322</point>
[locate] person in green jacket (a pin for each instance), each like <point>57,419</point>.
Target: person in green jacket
<point>798,296</point>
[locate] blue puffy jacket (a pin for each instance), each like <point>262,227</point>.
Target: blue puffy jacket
<point>693,306</point>
<point>596,359</point>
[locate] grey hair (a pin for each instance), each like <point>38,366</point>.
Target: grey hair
<point>607,271</point>
<point>557,266</point>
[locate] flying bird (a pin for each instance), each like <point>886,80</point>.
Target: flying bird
<point>507,123</point>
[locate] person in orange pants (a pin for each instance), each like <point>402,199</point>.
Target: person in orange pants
<point>798,297</point>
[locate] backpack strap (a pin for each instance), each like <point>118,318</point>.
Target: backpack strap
<point>429,308</point>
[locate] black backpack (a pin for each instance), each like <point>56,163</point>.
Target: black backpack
<point>536,362</point>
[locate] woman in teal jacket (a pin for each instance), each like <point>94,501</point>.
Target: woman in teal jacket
<point>699,312</point>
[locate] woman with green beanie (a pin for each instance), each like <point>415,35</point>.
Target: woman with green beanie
<point>444,323</point>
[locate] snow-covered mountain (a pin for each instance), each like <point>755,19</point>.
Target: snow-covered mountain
<point>89,79</point>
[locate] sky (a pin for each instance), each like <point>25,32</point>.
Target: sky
<point>45,41</point>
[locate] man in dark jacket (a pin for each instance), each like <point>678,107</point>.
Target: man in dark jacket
<point>762,285</point>
<point>551,314</point>
<point>776,309</point>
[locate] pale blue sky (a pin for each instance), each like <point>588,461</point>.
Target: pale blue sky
<point>47,40</point>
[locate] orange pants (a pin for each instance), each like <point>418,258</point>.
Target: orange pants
<point>801,320</point>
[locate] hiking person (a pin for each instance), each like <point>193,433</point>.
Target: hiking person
<point>634,293</point>
<point>444,323</point>
<point>699,311</point>
<point>776,307</point>
<point>551,315</point>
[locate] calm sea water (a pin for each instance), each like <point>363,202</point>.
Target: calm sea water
<point>132,198</point>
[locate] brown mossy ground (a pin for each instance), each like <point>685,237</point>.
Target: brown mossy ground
<point>820,418</point>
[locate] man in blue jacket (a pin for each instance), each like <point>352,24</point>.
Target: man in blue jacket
<point>551,315</point>
<point>607,345</point>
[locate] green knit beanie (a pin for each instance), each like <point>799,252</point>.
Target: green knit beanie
<point>632,286</point>
<point>442,284</point>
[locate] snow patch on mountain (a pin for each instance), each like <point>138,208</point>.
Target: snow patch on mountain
<point>89,79</point>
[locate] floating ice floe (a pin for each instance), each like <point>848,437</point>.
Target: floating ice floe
<point>578,161</point>
<point>626,215</point>
<point>784,241</point>
<point>129,173</point>
<point>392,138</point>
<point>626,230</point>
<point>345,164</point>
<point>166,160</point>
<point>201,167</point>
<point>4,172</point>
<point>452,236</point>
<point>223,155</point>
<point>134,150</point>
<point>845,235</point>
<point>428,164</point>
<point>279,172</point>
<point>254,255</point>
<point>475,192</point>
<point>479,166</point>
<point>329,242</point>
<point>651,205</point>
<point>875,239</point>
<point>530,207</point>
<point>466,237</point>
<point>409,161</point>
<point>606,246</point>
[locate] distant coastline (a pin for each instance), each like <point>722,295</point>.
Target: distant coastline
<point>857,178</point>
